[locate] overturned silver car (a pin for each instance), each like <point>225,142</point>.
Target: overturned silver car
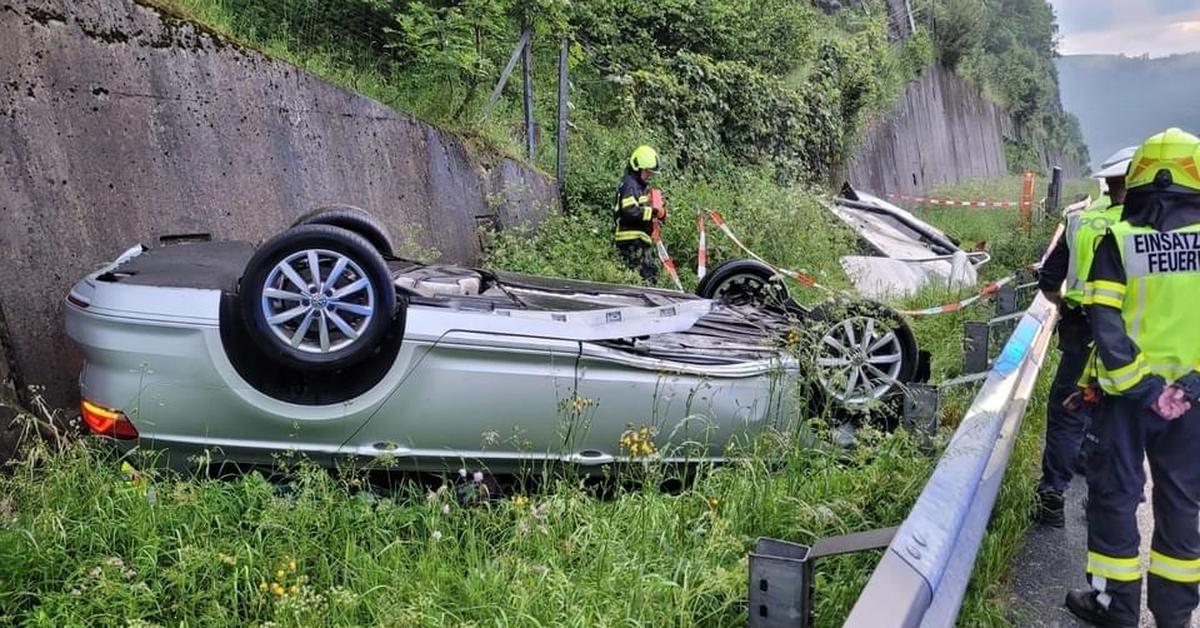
<point>321,341</point>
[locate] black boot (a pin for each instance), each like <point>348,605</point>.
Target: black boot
<point>1050,508</point>
<point>1084,605</point>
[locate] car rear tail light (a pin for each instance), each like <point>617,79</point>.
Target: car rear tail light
<point>106,422</point>
<point>77,301</point>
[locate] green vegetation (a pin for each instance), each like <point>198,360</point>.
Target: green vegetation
<point>758,114</point>
<point>1008,48</point>
<point>81,545</point>
<point>712,79</point>
<point>998,230</point>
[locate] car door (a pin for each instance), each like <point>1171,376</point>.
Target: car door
<point>475,397</point>
<point>689,412</point>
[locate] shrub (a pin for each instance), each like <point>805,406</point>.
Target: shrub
<point>958,29</point>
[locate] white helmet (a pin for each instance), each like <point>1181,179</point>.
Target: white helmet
<point>1116,165</point>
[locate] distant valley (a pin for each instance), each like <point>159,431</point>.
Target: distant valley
<point>1122,100</point>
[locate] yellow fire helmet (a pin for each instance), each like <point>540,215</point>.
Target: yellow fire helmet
<point>644,158</point>
<point>1170,159</point>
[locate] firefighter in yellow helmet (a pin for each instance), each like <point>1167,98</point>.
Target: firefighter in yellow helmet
<point>635,215</point>
<point>1141,299</point>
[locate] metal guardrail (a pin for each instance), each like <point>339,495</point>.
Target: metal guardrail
<point>921,579</point>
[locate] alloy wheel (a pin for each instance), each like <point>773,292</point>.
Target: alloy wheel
<point>318,300</point>
<point>859,359</point>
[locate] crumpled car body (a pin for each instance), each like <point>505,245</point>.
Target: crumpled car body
<point>485,369</point>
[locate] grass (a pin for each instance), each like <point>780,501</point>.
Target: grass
<point>82,545</point>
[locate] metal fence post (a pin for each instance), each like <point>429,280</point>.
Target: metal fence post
<point>527,76</point>
<point>564,82</point>
<point>522,43</point>
<point>1054,194</point>
<point>1006,300</point>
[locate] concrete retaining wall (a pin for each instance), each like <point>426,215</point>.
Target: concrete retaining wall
<point>119,125</point>
<point>943,130</point>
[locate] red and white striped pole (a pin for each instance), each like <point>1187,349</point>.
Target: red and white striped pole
<point>702,254</point>
<point>665,257</point>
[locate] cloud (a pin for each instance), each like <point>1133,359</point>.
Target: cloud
<point>1157,35</point>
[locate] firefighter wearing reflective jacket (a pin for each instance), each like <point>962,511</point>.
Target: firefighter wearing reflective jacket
<point>1141,300</point>
<point>1061,280</point>
<point>635,215</point>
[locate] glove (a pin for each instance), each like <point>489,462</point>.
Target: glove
<point>1172,403</point>
<point>1083,398</point>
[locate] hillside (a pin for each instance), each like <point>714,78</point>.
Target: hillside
<point>1121,100</point>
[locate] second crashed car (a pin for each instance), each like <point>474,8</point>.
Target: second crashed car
<point>321,341</point>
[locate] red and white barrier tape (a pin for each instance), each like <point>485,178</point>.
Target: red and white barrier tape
<point>951,202</point>
<point>987,291</point>
<point>702,250</point>
<point>665,257</point>
<point>800,276</point>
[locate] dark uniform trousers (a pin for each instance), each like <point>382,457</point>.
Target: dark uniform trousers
<point>1125,434</point>
<point>640,257</point>
<point>1065,428</point>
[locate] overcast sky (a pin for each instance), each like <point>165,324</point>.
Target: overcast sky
<point>1131,27</point>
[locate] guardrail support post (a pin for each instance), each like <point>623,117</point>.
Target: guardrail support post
<point>921,404</point>
<point>781,575</point>
<point>975,347</point>
<point>1006,300</point>
<point>781,585</point>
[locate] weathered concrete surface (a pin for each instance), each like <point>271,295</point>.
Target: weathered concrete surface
<point>943,130</point>
<point>118,125</point>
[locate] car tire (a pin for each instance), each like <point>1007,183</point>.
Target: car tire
<point>354,219</point>
<point>332,321</point>
<point>863,354</point>
<point>745,282</point>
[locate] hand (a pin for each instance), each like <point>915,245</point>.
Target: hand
<point>660,213</point>
<point>1172,403</point>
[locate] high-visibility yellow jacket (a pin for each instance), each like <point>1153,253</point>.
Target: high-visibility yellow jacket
<point>1154,288</point>
<point>1083,232</point>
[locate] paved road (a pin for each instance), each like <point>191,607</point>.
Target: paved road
<point>1052,562</point>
